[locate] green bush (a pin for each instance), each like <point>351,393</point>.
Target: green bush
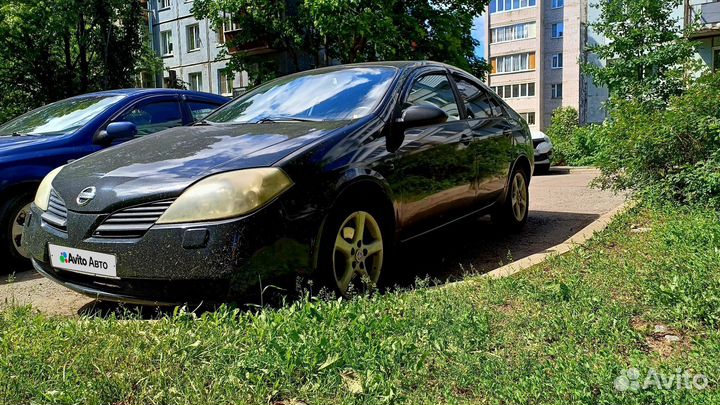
<point>574,145</point>
<point>672,152</point>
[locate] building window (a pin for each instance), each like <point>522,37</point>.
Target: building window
<point>164,4</point>
<point>225,79</point>
<point>166,43</point>
<point>557,61</point>
<point>558,3</point>
<point>556,90</point>
<point>558,30</point>
<point>195,80</point>
<point>716,60</point>
<point>515,91</point>
<point>512,32</point>
<point>497,6</point>
<point>513,63</point>
<point>193,37</point>
<point>529,117</point>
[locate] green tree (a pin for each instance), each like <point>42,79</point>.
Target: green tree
<point>646,51</point>
<point>348,31</point>
<point>53,49</point>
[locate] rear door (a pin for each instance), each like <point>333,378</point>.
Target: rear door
<point>492,146</point>
<point>199,108</point>
<point>433,172</point>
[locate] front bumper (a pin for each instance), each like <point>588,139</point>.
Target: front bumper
<point>183,263</point>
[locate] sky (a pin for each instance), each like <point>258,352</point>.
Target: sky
<point>479,33</point>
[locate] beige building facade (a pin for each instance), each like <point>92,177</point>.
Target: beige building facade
<point>535,48</point>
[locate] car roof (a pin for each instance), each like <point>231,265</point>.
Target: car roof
<point>400,64</point>
<point>146,92</point>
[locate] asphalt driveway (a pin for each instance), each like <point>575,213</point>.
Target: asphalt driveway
<point>561,204</point>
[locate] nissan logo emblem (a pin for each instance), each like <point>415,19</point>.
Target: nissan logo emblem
<point>87,194</point>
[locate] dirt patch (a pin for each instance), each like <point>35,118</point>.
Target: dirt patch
<point>661,339</point>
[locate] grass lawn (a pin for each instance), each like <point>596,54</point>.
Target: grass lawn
<point>644,295</point>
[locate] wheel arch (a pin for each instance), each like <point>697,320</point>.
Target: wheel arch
<point>16,188</point>
<point>523,162</point>
<point>368,188</point>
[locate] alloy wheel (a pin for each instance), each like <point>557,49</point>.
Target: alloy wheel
<point>358,251</point>
<point>17,229</point>
<point>519,197</point>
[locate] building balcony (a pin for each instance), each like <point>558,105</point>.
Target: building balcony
<point>250,48</point>
<point>707,14</point>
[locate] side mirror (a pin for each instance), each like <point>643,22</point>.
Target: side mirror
<point>116,130</point>
<point>421,115</point>
<point>414,116</point>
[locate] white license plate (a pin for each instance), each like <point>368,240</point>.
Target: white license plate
<point>83,261</point>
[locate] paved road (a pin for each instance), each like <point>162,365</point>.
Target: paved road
<point>561,204</point>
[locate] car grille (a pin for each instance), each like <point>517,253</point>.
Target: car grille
<point>132,222</point>
<point>56,214</point>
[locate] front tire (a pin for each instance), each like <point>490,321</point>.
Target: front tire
<point>353,249</point>
<point>13,214</point>
<point>513,213</point>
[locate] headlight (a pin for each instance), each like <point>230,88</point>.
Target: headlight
<point>42,197</point>
<point>227,195</point>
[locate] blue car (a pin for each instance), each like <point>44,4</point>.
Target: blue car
<point>41,140</point>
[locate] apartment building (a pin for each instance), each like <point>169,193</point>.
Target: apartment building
<point>707,14</point>
<point>189,49</point>
<point>535,48</point>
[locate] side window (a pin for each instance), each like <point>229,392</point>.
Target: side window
<point>154,117</point>
<point>200,109</point>
<point>496,107</point>
<point>434,89</point>
<point>475,98</point>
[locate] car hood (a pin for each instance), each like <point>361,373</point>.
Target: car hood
<point>162,165</point>
<point>537,135</point>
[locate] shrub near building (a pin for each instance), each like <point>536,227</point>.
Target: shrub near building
<point>574,145</point>
<point>673,152</point>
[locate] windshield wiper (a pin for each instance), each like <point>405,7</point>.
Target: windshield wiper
<point>281,118</point>
<point>203,123</point>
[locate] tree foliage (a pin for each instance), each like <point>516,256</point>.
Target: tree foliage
<point>646,51</point>
<point>53,49</point>
<point>348,31</point>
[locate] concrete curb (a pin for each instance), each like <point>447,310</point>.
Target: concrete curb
<point>579,238</point>
<point>573,169</point>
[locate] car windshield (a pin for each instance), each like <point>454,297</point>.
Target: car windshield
<point>316,96</point>
<point>59,118</point>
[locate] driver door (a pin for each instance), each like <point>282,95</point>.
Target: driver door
<point>152,115</point>
<point>434,174</point>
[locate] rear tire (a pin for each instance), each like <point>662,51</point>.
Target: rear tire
<point>513,213</point>
<point>354,249</point>
<point>13,214</point>
<point>542,169</point>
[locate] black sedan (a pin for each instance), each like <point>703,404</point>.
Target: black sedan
<point>318,173</point>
